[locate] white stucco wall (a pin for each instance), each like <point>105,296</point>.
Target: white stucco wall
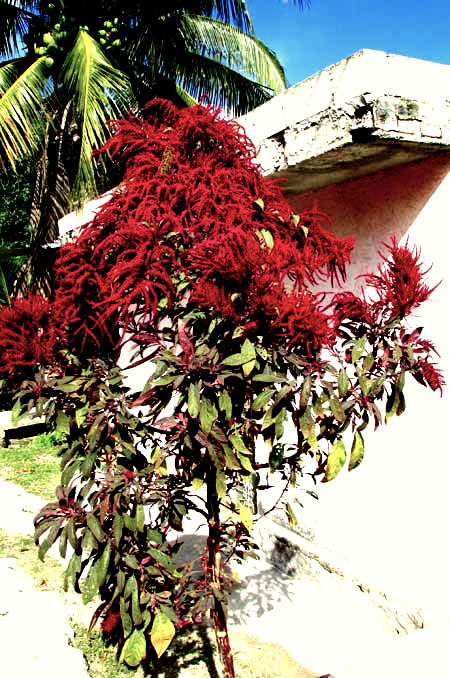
<point>391,514</point>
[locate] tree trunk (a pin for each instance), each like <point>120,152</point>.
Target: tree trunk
<point>215,571</point>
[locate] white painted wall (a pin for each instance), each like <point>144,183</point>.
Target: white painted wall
<point>391,514</point>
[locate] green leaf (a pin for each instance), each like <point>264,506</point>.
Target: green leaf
<point>276,457</point>
<point>133,563</point>
<point>305,391</point>
<point>117,528</point>
<point>397,353</point>
<point>126,619</point>
<point>73,570</point>
<point>88,464</point>
<point>95,527</point>
<point>208,415</point>
<point>221,485</point>
<point>71,534</point>
<point>401,382</point>
<point>248,352</point>
<point>22,95</point>
<point>357,453</point>
<point>292,518</point>
<point>270,378</point>
<point>164,560</point>
<point>269,418</point>
<point>230,460</point>
<point>225,404</point>
<point>62,422</point>
<point>71,385</point>
<point>63,543</point>
<point>377,383</point>
<point>134,649</point>
<point>365,383</point>
<point>238,444</point>
<point>88,541</point>
<point>16,412</point>
<point>262,351</point>
<point>245,462</point>
<point>343,383</point>
<point>392,403</point>
<point>102,565</point>
<point>401,404</point>
<point>337,409</point>
<point>312,439</point>
<point>307,423</point>
<point>259,202</point>
<point>90,588</point>
<point>140,518</point>
<point>279,423</point>
<point>162,633</point>
<point>266,237</point>
<point>131,587</point>
<point>336,460</point>
<point>49,540</point>
<point>154,536</point>
<point>263,398</point>
<point>81,414</point>
<point>135,606</point>
<point>197,483</point>
<point>234,360</point>
<point>194,400</point>
<point>246,517</point>
<point>358,348</point>
<point>368,362</point>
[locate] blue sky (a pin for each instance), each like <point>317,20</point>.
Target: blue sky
<point>308,40</point>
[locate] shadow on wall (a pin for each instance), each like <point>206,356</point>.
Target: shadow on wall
<point>376,207</point>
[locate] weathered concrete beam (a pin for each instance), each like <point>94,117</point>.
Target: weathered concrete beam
<point>27,427</point>
<point>366,113</point>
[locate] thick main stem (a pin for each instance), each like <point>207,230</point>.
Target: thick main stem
<point>215,570</point>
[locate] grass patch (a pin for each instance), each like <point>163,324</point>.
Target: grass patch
<point>47,574</point>
<point>33,464</point>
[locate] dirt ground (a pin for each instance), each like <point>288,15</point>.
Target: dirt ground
<point>271,657</point>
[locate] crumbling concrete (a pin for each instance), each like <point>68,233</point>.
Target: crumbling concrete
<point>366,113</point>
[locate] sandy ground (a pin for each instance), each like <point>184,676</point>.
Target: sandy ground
<point>324,628</point>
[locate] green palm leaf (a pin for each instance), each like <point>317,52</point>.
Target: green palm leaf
<point>187,98</point>
<point>21,121</point>
<point>234,12</point>
<point>234,48</point>
<point>4,294</point>
<point>16,17</point>
<point>225,87</point>
<point>99,92</point>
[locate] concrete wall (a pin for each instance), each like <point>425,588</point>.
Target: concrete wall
<point>391,514</point>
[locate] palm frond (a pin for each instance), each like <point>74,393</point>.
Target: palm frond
<point>4,293</point>
<point>22,123</point>
<point>9,72</point>
<point>234,48</point>
<point>224,86</point>
<point>187,98</point>
<point>234,12</point>
<point>16,18</point>
<point>99,92</point>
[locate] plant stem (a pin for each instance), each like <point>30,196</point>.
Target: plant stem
<point>215,571</point>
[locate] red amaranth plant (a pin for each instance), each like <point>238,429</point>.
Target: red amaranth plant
<point>29,338</point>
<point>400,281</point>
<point>199,263</point>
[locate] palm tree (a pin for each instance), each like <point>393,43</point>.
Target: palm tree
<point>69,66</point>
